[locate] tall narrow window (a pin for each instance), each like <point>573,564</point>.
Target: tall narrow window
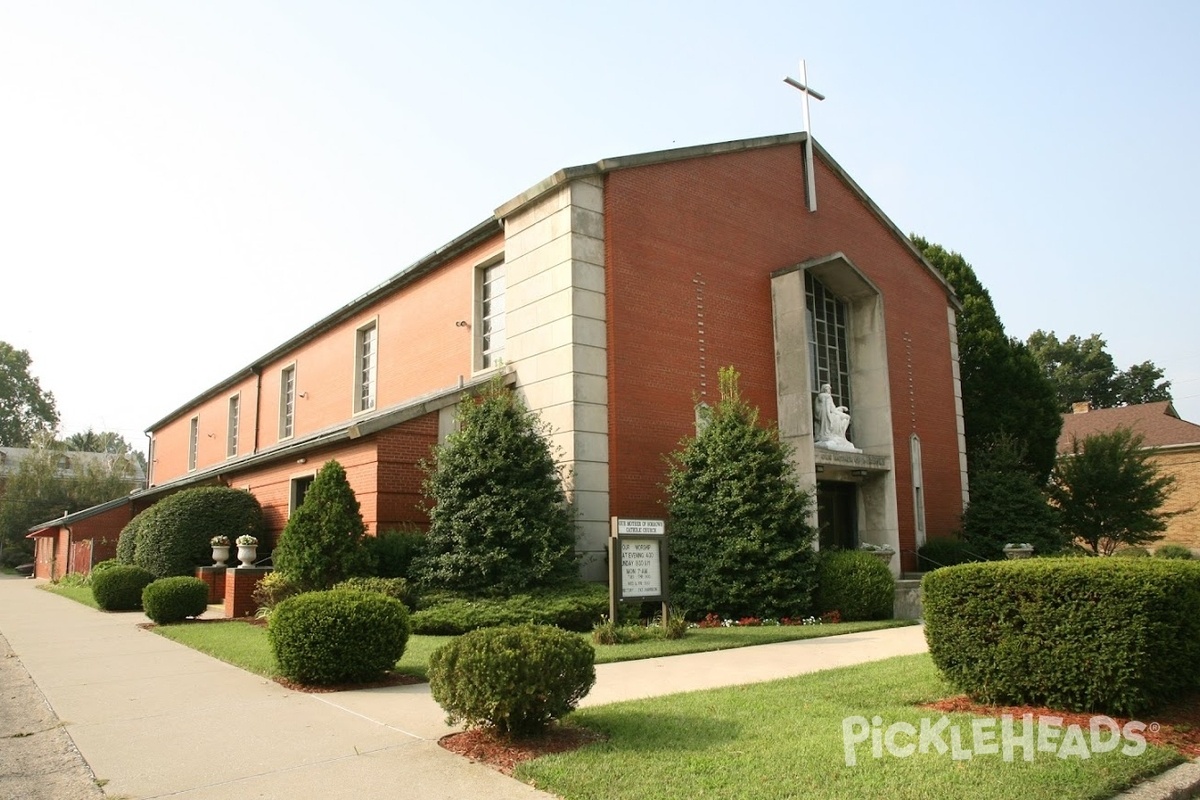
<point>231,437</point>
<point>299,491</point>
<point>193,442</point>
<point>287,402</point>
<point>918,482</point>
<point>828,353</point>
<point>366,364</point>
<point>491,316</point>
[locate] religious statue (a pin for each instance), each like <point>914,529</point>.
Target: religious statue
<point>832,421</point>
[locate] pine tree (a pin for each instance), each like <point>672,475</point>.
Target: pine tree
<point>499,522</point>
<point>740,540</point>
<point>322,543</point>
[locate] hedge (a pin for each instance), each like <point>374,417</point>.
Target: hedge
<point>515,680</point>
<point>576,606</point>
<point>1109,635</point>
<point>855,584</point>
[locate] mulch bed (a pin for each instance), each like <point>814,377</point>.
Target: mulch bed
<point>1177,725</point>
<point>503,753</point>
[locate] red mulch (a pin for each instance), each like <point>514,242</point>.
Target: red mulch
<point>1177,725</point>
<point>503,753</point>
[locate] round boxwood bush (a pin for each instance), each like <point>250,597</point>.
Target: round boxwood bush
<point>174,540</point>
<point>338,636</point>
<point>856,584</point>
<point>514,679</point>
<point>120,588</point>
<point>128,538</point>
<point>100,566</point>
<point>175,599</point>
<point>1173,551</point>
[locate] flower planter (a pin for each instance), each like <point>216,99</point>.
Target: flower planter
<point>220,555</point>
<point>246,554</point>
<point>883,555</point>
<point>1018,552</point>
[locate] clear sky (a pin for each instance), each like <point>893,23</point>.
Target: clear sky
<point>185,185</point>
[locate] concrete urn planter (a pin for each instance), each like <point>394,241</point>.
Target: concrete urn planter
<point>220,555</point>
<point>246,554</point>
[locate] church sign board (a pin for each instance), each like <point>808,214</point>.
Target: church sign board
<point>637,558</point>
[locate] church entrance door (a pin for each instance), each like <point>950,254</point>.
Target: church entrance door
<point>837,514</point>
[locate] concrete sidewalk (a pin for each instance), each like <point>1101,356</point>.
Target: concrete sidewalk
<point>153,718</point>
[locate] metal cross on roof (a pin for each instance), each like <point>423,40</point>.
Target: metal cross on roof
<point>810,179</point>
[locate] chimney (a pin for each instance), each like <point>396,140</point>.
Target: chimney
<point>1081,407</point>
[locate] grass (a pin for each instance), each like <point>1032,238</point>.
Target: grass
<point>701,640</point>
<point>246,645</point>
<point>80,594</point>
<point>784,739</point>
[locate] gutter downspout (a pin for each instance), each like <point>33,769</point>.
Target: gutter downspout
<point>257,403</point>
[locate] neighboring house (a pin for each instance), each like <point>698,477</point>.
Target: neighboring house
<point>82,537</point>
<point>1176,446</point>
<point>609,295</point>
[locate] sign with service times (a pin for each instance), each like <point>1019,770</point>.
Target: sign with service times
<point>637,557</point>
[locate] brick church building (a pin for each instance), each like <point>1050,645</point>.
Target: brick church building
<point>609,295</point>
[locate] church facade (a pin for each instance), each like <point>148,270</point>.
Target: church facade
<point>609,295</point>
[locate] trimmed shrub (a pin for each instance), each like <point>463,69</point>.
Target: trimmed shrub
<point>855,584</point>
<point>100,566</point>
<point>392,552</point>
<point>500,522</point>
<point>169,600</point>
<point>120,588</point>
<point>1174,551</point>
<point>174,540</point>
<point>128,538</point>
<point>323,541</point>
<point>1110,635</point>
<point>946,553</point>
<point>1134,551</point>
<point>338,636</point>
<point>272,590</point>
<point>515,680</point>
<point>397,588</point>
<point>575,607</point>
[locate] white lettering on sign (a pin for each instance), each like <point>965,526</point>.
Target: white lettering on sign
<point>641,569</point>
<point>642,527</point>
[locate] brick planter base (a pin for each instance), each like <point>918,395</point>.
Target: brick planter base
<point>214,577</point>
<point>239,588</point>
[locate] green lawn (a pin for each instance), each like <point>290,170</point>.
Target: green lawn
<point>80,594</point>
<point>784,739</point>
<point>246,645</point>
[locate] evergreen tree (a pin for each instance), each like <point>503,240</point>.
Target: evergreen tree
<point>741,544</point>
<point>322,543</point>
<point>1004,390</point>
<point>499,521</point>
<point>1110,492</point>
<point>1008,505</point>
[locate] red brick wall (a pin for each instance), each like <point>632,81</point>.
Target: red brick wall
<point>420,350</point>
<point>272,484</point>
<point>401,450</point>
<point>103,530</point>
<point>710,232</point>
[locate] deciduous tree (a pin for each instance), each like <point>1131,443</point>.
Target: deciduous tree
<point>1083,370</point>
<point>1110,492</point>
<point>1004,392</point>
<point>25,409</point>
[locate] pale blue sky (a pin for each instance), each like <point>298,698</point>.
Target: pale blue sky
<point>159,162</point>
